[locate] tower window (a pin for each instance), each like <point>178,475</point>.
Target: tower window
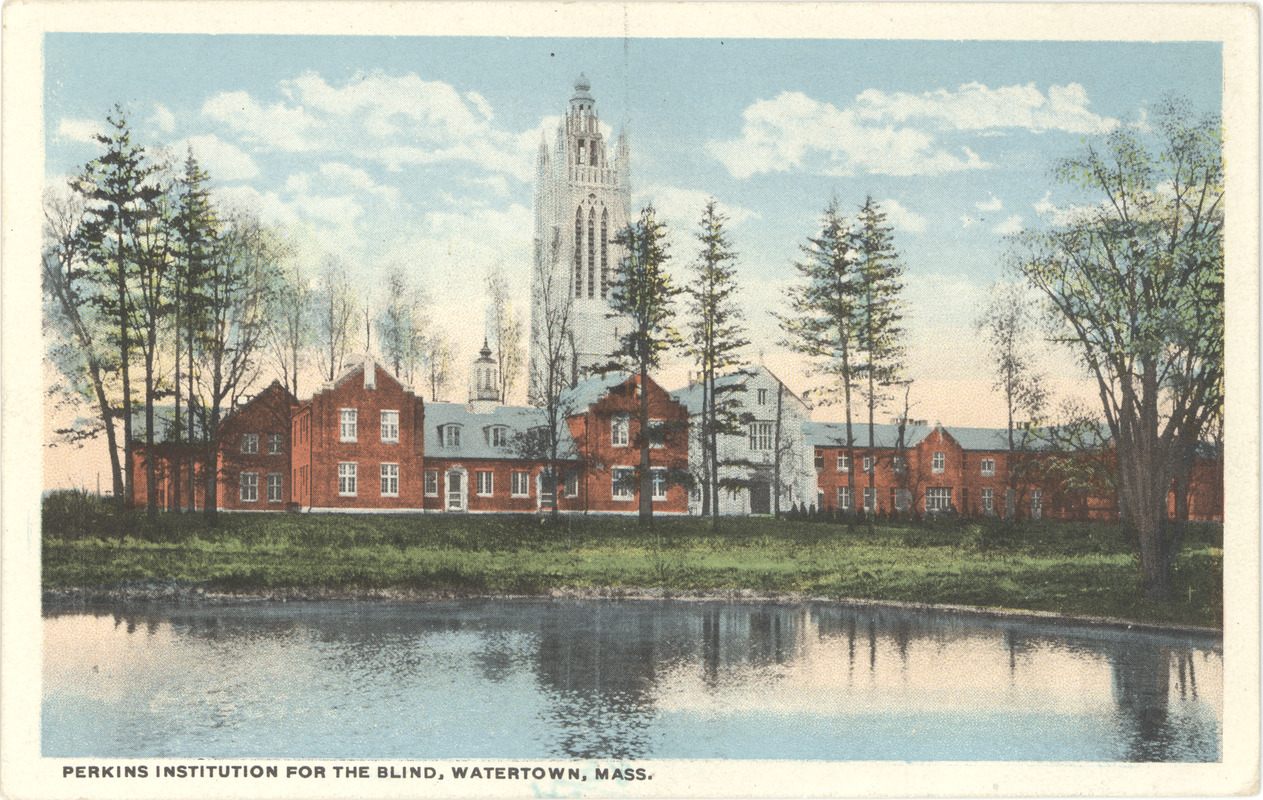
<point>605,238</point>
<point>591,252</point>
<point>592,155</point>
<point>578,252</point>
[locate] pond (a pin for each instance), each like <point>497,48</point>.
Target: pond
<point>619,679</point>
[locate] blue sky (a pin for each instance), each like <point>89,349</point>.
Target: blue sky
<point>419,151</point>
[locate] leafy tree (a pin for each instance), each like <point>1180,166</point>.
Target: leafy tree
<point>1010,325</point>
<point>118,188</point>
<point>398,323</point>
<point>290,328</point>
<point>239,290</point>
<point>822,323</point>
<point>506,332</point>
<point>715,338</point>
<point>1137,280</point>
<point>336,309</point>
<point>438,362</point>
<point>77,347</point>
<point>644,294</point>
<point>879,313</point>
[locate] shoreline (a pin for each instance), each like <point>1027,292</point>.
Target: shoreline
<point>153,591</point>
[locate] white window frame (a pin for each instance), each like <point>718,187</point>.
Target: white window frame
<point>868,463</point>
<point>623,489</point>
<point>498,436</point>
<point>903,499</point>
<point>899,465</point>
<point>279,486</point>
<point>348,478</point>
<point>658,480</point>
<point>249,487</point>
<point>570,479</point>
<point>491,482</point>
<point>431,483</point>
<point>988,500</point>
<point>938,498</point>
<point>761,436</point>
<point>844,462</point>
<point>870,499</point>
<point>250,443</point>
<point>620,430</point>
<point>1037,503</point>
<point>390,427</point>
<point>348,425</point>
<point>846,498</point>
<point>762,396</point>
<point>390,479</point>
<point>276,444</point>
<point>450,434</point>
<point>522,477</point>
<point>939,463</point>
<point>988,467</point>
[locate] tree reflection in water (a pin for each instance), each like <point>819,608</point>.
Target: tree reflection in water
<point>630,679</point>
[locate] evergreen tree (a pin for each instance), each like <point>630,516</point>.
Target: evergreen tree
<point>716,337</point>
<point>196,228</point>
<point>644,293</point>
<point>117,188</point>
<point>879,314</point>
<point>822,323</point>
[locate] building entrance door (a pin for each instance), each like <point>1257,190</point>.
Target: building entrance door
<point>761,498</point>
<point>455,491</point>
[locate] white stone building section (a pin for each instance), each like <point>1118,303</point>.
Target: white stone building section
<point>582,199</point>
<point>751,457</point>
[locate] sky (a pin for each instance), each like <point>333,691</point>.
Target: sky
<point>419,152</point>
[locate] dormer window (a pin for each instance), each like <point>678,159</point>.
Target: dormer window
<point>497,435</point>
<point>449,435</point>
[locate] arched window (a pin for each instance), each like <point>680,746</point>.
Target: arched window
<point>578,252</point>
<point>591,252</point>
<point>605,239</point>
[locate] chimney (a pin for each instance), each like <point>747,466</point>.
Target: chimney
<point>370,372</point>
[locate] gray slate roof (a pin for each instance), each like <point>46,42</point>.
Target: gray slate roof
<point>591,390</point>
<point>833,434</point>
<point>474,441</point>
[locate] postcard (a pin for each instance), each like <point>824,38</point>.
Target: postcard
<point>647,400</point>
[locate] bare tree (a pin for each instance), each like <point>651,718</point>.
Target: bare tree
<point>290,328</point>
<point>438,363</point>
<point>506,331</point>
<point>550,364</point>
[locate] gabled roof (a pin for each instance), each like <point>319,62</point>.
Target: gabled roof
<point>475,443</point>
<point>589,391</point>
<point>691,395</point>
<point>833,434</point>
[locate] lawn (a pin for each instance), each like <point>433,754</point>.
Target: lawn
<point>1071,568</point>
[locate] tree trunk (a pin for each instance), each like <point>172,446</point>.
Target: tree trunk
<point>776,460</point>
<point>151,478</point>
<point>175,420</point>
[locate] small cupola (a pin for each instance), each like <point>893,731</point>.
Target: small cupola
<point>484,389</point>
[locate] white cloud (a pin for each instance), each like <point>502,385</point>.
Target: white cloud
<point>975,107</point>
<point>794,132</point>
<point>221,160</point>
<point>290,129</point>
<point>993,204</point>
<point>79,130</point>
<point>682,208</point>
<point>1010,226</point>
<point>162,118</point>
<point>901,218</point>
<point>269,207</point>
<point>1063,216</point>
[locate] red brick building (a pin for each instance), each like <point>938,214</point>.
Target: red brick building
<point>970,471</point>
<point>366,443</point>
<point>252,463</point>
<point>359,444</point>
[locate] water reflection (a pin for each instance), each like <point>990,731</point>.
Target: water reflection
<point>604,679</point>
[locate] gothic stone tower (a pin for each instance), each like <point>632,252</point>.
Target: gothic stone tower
<point>582,200</point>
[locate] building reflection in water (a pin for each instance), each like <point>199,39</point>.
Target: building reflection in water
<point>623,679</point>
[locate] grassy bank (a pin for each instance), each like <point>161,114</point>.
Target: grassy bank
<point>1068,568</point>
